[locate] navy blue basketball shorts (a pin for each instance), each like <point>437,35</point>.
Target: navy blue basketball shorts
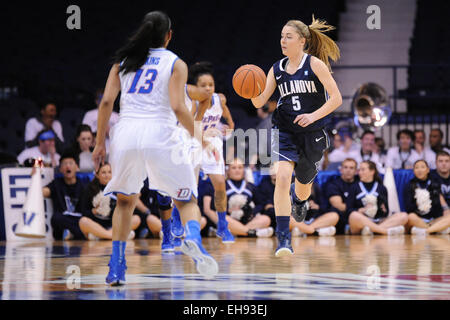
<point>305,149</point>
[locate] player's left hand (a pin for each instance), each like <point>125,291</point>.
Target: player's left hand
<point>305,119</point>
<point>99,155</point>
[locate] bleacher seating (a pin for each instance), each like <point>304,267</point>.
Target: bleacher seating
<point>429,84</point>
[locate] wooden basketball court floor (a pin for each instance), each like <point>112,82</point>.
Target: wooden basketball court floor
<point>341,267</point>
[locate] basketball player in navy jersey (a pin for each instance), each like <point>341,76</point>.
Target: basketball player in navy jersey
<point>308,93</point>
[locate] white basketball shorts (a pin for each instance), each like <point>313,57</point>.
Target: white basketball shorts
<point>141,148</point>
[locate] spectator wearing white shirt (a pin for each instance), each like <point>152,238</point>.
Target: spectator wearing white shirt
<point>46,150</point>
<point>425,153</point>
<point>90,118</point>
<point>367,151</point>
<point>404,156</point>
<point>82,147</point>
<point>348,149</point>
<point>47,121</point>
<point>435,139</point>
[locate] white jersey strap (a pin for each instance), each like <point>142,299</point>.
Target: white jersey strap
<point>364,191</point>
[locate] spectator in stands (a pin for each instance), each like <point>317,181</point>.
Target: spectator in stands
<point>47,121</point>
<point>403,156</point>
<point>369,208</point>
<point>348,149</point>
<point>367,150</point>
<point>242,221</point>
<point>264,129</point>
<point>427,208</point>
<point>317,218</point>
<point>424,153</point>
<point>90,118</point>
<point>339,191</point>
<point>82,146</point>
<point>97,209</point>
<point>66,192</point>
<point>380,149</point>
<point>442,174</point>
<point>264,196</point>
<point>336,143</point>
<point>435,139</point>
<point>46,150</point>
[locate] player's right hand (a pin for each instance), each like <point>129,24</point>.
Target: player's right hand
<point>99,155</point>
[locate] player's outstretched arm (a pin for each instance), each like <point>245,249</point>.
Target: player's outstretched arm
<point>176,96</point>
<point>271,84</point>
<point>112,89</point>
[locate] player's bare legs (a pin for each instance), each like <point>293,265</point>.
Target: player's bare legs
<point>282,204</point>
<point>220,202</point>
<point>121,228</point>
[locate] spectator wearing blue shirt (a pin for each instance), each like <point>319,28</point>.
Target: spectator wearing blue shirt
<point>427,208</point>
<point>338,191</point>
<point>442,174</point>
<point>369,209</point>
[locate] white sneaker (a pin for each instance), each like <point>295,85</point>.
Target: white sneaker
<point>396,230</point>
<point>326,232</point>
<point>445,231</point>
<point>296,232</point>
<point>419,231</point>
<point>92,237</point>
<point>264,233</point>
<point>161,234</point>
<point>131,235</point>
<point>366,231</point>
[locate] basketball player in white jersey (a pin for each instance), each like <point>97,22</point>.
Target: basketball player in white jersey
<point>201,75</point>
<point>146,141</point>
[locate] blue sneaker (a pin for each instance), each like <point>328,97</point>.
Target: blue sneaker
<point>167,243</point>
<point>206,265</point>
<point>284,244</point>
<point>177,242</point>
<point>177,229</point>
<point>116,274</point>
<point>225,235</point>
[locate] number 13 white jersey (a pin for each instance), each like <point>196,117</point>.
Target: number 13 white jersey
<point>145,93</point>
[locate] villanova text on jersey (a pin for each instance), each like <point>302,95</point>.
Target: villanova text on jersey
<point>301,92</point>
<point>296,86</point>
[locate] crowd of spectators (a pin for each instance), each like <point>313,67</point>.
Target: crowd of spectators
<point>353,202</point>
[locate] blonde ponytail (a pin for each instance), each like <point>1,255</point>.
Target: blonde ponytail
<point>317,43</point>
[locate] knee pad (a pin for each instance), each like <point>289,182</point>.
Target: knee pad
<point>164,202</point>
<point>305,173</point>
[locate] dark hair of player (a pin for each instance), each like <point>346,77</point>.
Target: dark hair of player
<point>150,34</point>
<point>198,69</point>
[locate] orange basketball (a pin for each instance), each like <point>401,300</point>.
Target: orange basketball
<point>249,81</point>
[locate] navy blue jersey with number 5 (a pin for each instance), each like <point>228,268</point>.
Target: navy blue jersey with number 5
<point>301,92</point>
